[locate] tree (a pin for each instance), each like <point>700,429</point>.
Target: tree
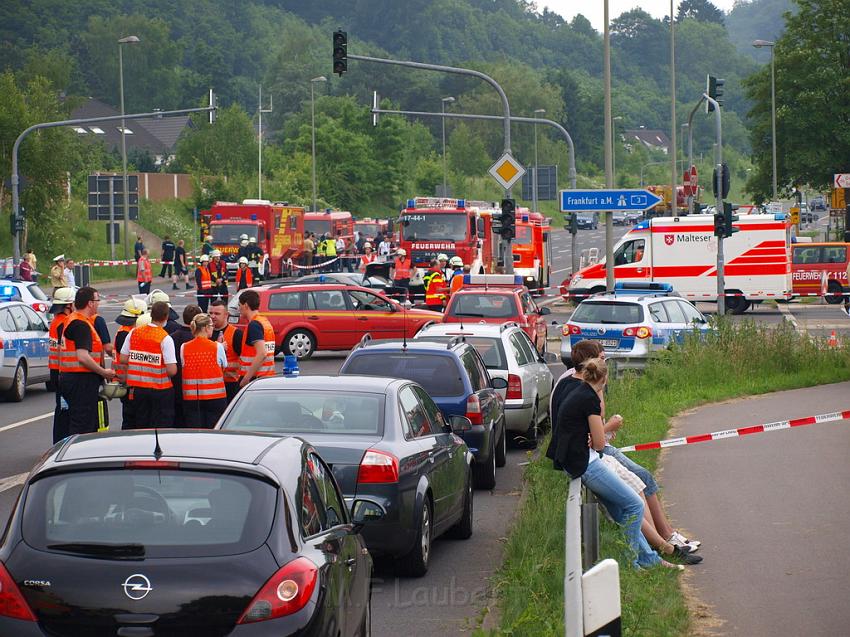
<point>700,10</point>
<point>467,153</point>
<point>228,147</point>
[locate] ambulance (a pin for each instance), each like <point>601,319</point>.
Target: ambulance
<point>682,251</point>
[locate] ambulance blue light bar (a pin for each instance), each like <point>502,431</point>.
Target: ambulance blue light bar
<point>642,225</point>
<point>253,217</point>
<point>218,217</point>
<point>8,293</point>
<point>492,279</point>
<point>780,216</point>
<point>639,288</point>
<point>411,203</point>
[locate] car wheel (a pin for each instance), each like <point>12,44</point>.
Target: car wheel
<point>301,343</point>
<point>485,472</point>
<point>502,449</point>
<point>463,529</point>
<point>366,626</point>
<point>18,389</point>
<point>835,293</point>
<point>415,563</point>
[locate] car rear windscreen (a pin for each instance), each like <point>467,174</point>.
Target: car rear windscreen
<point>437,373</point>
<point>491,349</point>
<point>297,411</point>
<point>607,312</point>
<point>483,306</point>
<point>148,513</point>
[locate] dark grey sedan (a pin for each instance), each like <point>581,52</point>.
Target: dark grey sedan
<point>385,441</point>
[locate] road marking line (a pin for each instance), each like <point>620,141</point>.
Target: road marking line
<point>12,481</point>
<point>561,270</point>
<point>25,422</point>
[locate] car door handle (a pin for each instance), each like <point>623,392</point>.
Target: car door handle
<point>313,317</point>
<point>351,561</point>
<point>362,318</point>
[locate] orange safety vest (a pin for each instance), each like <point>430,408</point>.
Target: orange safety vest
<point>203,378</point>
<point>144,274</point>
<point>145,367</point>
<point>435,291</point>
<point>402,268</point>
<point>233,371</point>
<point>206,278</point>
<point>248,278</point>
<point>365,260</point>
<point>53,341</point>
<point>248,350</point>
<point>456,283</point>
<point>119,367</point>
<point>68,363</point>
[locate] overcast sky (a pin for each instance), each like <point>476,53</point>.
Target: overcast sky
<point>592,9</point>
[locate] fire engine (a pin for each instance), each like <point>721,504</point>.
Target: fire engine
<point>532,250</point>
<point>683,251</point>
<point>369,228</point>
<point>278,228</point>
<point>329,222</point>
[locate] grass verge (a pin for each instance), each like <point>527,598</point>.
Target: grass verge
<point>740,359</point>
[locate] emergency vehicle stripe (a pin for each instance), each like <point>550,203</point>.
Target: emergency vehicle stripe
<point>748,258</point>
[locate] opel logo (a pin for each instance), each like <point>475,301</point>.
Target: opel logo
<point>137,587</point>
<point>601,331</point>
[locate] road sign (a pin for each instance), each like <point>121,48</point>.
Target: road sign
<point>795,215</point>
<point>602,200</point>
<point>506,170</point>
<point>102,188</point>
<point>547,184</point>
<point>842,180</point>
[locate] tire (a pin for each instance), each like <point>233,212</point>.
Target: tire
<point>366,626</point>
<point>301,343</point>
<point>502,449</point>
<point>18,390</point>
<point>736,304</point>
<point>835,289</point>
<point>463,529</point>
<point>485,473</point>
<point>415,563</point>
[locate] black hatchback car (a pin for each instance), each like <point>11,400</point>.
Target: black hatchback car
<point>183,533</point>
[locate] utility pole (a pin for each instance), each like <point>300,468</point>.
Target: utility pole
<point>691,147</point>
<point>674,151</point>
<point>609,166</point>
<point>718,202</point>
<point>443,102</point>
<point>260,111</point>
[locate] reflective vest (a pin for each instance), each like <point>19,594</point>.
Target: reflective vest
<point>248,350</point>
<point>68,363</point>
<point>365,260</point>
<point>402,268</point>
<point>203,378</point>
<point>456,282</point>
<point>206,279</point>
<point>146,367</point>
<point>53,341</point>
<point>233,371</point>
<point>330,247</point>
<point>119,367</point>
<point>144,272</point>
<point>435,288</point>
<point>244,278</point>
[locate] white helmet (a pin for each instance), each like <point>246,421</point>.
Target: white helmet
<point>367,245</point>
<point>243,237</point>
<point>204,258</point>
<point>158,295</point>
<point>253,239</point>
<point>456,262</point>
<point>208,238</point>
<point>243,260</point>
<point>134,308</point>
<point>442,257</point>
<point>215,253</point>
<point>401,252</point>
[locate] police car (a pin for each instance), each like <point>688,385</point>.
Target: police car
<point>27,292</point>
<point>634,321</point>
<point>24,346</point>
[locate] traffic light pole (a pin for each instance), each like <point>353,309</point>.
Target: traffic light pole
<point>691,148</point>
<point>718,185</point>
<point>16,199</point>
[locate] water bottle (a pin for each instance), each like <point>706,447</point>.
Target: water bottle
<point>290,366</point>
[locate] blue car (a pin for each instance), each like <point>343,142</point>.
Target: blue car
<point>456,378</point>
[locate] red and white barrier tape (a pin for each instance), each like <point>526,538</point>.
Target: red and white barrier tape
<point>741,431</point>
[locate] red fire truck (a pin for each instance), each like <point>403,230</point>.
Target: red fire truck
<point>429,226</point>
<point>278,228</point>
<point>329,222</point>
<point>369,228</point>
<point>532,249</point>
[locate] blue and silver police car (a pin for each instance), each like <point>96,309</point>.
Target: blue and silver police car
<point>632,322</point>
<point>24,346</point>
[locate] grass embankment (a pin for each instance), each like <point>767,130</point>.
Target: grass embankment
<point>740,360</point>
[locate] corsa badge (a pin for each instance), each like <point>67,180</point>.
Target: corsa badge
<point>669,239</point>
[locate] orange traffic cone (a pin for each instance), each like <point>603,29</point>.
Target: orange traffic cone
<point>833,340</point>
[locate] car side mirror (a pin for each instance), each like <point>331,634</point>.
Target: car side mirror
<point>544,311</point>
<point>365,511</point>
<point>460,424</point>
<point>498,383</point>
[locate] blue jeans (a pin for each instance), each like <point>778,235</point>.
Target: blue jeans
<point>635,468</point>
<point>625,506</point>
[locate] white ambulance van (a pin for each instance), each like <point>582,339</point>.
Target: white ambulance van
<point>682,251</point>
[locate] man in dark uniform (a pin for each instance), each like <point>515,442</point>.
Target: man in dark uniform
<point>167,255</point>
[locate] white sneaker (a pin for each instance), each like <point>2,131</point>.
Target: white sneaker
<point>677,539</point>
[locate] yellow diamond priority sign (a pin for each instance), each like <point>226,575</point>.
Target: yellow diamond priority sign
<point>507,171</point>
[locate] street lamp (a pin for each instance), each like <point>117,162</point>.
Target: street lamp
<point>260,111</point>
<point>443,102</point>
<point>762,44</point>
<point>537,114</point>
<point>321,78</point>
<point>614,149</point>
<point>130,39</point>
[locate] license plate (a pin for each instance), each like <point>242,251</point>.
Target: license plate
<point>610,342</point>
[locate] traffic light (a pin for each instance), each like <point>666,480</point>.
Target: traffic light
<point>508,219</point>
<point>340,52</point>
<point>724,181</point>
<point>719,225</point>
<point>728,220</point>
<point>714,89</point>
<point>571,223</point>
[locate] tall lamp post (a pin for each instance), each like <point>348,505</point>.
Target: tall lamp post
<point>614,149</point>
<point>260,111</point>
<point>130,39</point>
<point>538,113</point>
<point>443,102</point>
<point>321,78</point>
<point>768,44</point>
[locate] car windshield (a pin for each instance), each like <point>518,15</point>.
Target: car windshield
<point>490,348</point>
<point>148,513</point>
<point>607,312</point>
<point>434,227</point>
<point>437,373</point>
<point>523,235</point>
<point>483,306</point>
<point>318,226</point>
<point>299,411</point>
<point>229,233</point>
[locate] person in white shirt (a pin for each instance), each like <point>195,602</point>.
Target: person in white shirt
<point>384,249</point>
<point>69,273</point>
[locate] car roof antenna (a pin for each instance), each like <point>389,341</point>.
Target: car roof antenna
<point>157,450</point>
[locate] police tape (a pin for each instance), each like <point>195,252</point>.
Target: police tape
<point>741,431</point>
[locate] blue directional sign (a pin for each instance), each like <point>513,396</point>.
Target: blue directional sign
<point>602,200</point>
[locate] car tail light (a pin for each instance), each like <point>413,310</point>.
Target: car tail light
<point>378,467</point>
<point>514,387</point>
<point>12,603</point>
<point>151,464</point>
<point>286,592</point>
<point>570,329</point>
<point>473,410</point>
<point>38,306</point>
<point>638,332</point>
